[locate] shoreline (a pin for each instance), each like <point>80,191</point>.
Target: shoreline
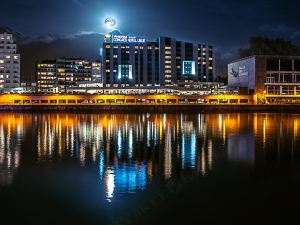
<point>152,108</point>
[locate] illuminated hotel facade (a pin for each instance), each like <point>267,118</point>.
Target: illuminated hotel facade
<point>130,61</point>
<point>9,64</point>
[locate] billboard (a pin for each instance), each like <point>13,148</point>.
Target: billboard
<point>188,68</point>
<point>242,73</point>
<point>124,71</point>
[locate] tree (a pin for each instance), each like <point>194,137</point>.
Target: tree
<point>268,46</point>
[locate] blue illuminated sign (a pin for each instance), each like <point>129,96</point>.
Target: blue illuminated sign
<point>125,71</point>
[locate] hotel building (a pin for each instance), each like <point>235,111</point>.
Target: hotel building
<point>9,64</point>
<point>57,75</point>
<point>130,61</point>
<point>275,77</point>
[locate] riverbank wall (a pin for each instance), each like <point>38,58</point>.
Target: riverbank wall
<point>152,108</point>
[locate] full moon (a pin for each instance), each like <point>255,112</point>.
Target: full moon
<point>110,22</point>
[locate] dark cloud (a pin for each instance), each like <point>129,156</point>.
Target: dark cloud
<point>78,3</point>
<point>49,38</point>
<point>281,30</point>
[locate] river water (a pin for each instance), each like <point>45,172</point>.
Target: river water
<point>68,168</point>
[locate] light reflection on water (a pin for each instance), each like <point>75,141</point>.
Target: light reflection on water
<point>130,150</point>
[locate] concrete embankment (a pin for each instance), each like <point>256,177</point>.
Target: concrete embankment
<point>153,108</point>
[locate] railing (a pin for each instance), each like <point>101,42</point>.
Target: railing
<point>282,83</point>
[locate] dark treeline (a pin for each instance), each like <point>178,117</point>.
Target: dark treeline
<point>268,46</point>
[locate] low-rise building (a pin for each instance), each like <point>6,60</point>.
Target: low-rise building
<point>276,77</point>
<point>55,76</point>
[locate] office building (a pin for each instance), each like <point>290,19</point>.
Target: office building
<point>46,76</point>
<point>131,61</point>
<point>57,75</point>
<point>272,76</point>
<point>9,64</point>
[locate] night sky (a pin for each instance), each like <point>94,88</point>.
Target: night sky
<point>50,28</point>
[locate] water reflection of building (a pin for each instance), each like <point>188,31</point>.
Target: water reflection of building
<point>11,134</point>
<point>130,150</point>
<point>241,148</point>
<point>126,178</point>
<point>279,137</point>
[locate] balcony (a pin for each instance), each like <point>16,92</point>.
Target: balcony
<point>287,90</point>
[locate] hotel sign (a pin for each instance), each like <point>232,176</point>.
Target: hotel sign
<point>127,39</point>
